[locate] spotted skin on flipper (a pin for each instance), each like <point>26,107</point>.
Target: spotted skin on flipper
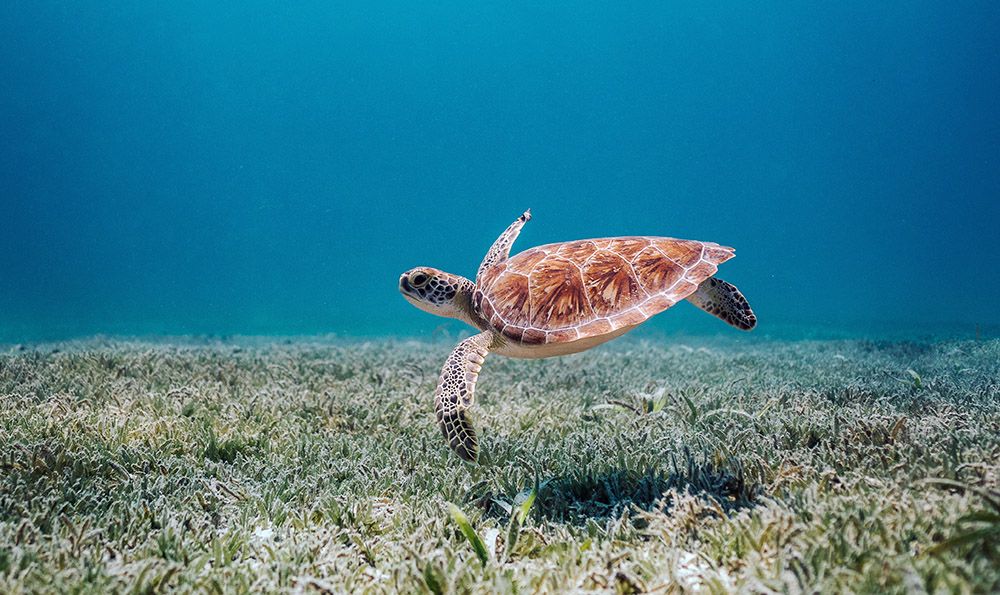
<point>724,301</point>
<point>500,249</point>
<point>456,392</point>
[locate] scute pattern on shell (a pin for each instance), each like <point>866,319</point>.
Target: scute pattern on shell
<point>575,290</point>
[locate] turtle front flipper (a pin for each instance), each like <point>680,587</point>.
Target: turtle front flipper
<point>501,247</point>
<point>724,301</point>
<point>456,392</point>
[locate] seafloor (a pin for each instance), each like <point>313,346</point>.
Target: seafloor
<point>825,466</point>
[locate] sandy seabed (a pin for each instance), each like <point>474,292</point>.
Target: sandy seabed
<point>259,465</point>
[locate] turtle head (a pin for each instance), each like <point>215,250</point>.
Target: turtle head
<point>437,292</point>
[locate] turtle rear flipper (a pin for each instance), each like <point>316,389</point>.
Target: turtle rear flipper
<point>724,301</point>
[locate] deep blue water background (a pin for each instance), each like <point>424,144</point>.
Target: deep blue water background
<point>270,168</point>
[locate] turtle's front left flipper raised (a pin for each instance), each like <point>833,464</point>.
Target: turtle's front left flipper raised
<point>456,392</point>
<point>501,247</point>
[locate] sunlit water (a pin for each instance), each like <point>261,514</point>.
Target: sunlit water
<point>270,168</point>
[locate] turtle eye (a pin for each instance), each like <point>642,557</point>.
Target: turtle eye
<point>418,280</point>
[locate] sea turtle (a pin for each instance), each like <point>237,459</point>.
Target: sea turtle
<point>562,298</point>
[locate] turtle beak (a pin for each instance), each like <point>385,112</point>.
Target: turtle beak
<point>404,284</point>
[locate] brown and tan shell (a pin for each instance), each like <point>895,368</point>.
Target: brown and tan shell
<point>569,291</point>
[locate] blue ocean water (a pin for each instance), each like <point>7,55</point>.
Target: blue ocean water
<point>271,168</point>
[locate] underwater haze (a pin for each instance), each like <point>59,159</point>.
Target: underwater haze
<point>174,168</point>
